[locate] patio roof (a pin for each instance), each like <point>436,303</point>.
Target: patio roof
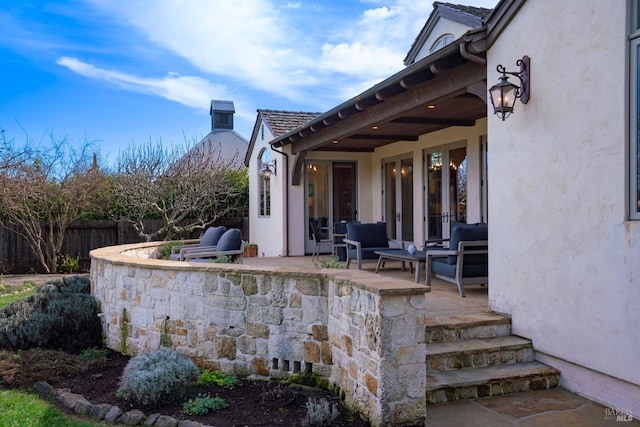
<point>447,88</point>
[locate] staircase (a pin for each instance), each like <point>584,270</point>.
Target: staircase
<point>475,355</point>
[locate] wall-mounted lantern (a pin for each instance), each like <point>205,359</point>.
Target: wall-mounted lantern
<point>269,169</point>
<point>504,94</point>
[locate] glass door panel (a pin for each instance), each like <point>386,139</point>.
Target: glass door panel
<point>446,192</point>
<point>398,198</point>
<point>406,200</point>
<point>390,196</point>
<point>344,192</point>
<point>317,197</point>
<point>458,185</point>
<point>434,196</point>
<point>330,196</point>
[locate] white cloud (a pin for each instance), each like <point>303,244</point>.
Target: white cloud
<point>376,45</point>
<point>292,50</point>
<point>191,91</point>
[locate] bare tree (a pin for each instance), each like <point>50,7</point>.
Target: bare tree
<point>44,188</point>
<point>188,190</point>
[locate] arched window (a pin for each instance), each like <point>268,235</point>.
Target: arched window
<point>264,158</point>
<point>442,41</point>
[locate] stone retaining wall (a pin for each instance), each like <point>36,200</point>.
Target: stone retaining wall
<point>363,334</point>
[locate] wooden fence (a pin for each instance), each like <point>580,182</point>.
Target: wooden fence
<point>81,237</point>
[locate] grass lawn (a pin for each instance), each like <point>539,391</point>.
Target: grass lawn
<point>23,409</point>
<point>20,408</point>
<point>8,294</point>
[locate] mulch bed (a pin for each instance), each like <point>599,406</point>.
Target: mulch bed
<point>251,403</point>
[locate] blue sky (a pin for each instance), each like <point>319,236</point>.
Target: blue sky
<point>122,71</point>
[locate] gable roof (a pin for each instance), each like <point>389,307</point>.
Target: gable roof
<point>221,145</point>
<point>279,122</point>
<point>472,17</point>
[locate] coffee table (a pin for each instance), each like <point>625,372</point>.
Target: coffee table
<point>419,258</point>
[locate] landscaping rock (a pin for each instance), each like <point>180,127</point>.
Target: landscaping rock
<point>113,414</point>
<point>43,388</point>
<point>57,392</point>
<point>132,418</point>
<point>165,421</point>
<point>187,423</point>
<point>100,411</point>
<point>83,407</point>
<point>151,419</point>
<point>70,400</point>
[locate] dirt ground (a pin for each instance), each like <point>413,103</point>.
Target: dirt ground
<point>251,403</point>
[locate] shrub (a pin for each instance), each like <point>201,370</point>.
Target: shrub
<point>225,259</point>
<point>68,285</point>
<point>68,264</point>
<point>332,262</point>
<point>219,378</point>
<point>94,353</point>
<point>157,377</point>
<point>320,412</point>
<point>165,250</point>
<point>203,404</point>
<point>55,317</point>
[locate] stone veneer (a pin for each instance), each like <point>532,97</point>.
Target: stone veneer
<point>362,332</point>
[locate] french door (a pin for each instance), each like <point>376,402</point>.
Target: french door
<point>398,198</point>
<point>330,195</point>
<point>446,193</point>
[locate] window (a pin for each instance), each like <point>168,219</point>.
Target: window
<point>264,183</point>
<point>634,109</point>
<point>441,42</point>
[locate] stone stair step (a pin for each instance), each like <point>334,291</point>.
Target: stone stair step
<point>467,326</point>
<point>495,380</point>
<point>478,353</point>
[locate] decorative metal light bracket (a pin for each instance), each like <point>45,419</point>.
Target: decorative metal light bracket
<point>504,94</point>
<point>266,171</point>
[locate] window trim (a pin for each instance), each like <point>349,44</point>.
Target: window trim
<point>634,110</point>
<point>443,38</point>
<point>264,189</point>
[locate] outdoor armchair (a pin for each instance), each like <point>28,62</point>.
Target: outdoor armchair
<point>230,244</point>
<point>363,240</point>
<point>465,262</point>
<point>208,241</point>
<point>318,239</point>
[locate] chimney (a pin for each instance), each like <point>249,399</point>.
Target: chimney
<point>221,114</point>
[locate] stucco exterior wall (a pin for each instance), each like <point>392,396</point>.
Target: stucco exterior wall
<point>563,258</point>
<point>442,27</point>
<point>267,231</point>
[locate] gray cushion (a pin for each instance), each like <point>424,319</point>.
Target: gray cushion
<point>212,235</point>
<point>231,240</point>
<point>465,232</point>
<point>369,235</point>
<point>441,266</point>
<point>367,253</point>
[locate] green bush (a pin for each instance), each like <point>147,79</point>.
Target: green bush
<point>219,378</point>
<point>94,353</point>
<point>55,317</point>
<point>165,250</point>
<point>157,377</point>
<point>203,404</point>
<point>68,264</point>
<point>68,285</point>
